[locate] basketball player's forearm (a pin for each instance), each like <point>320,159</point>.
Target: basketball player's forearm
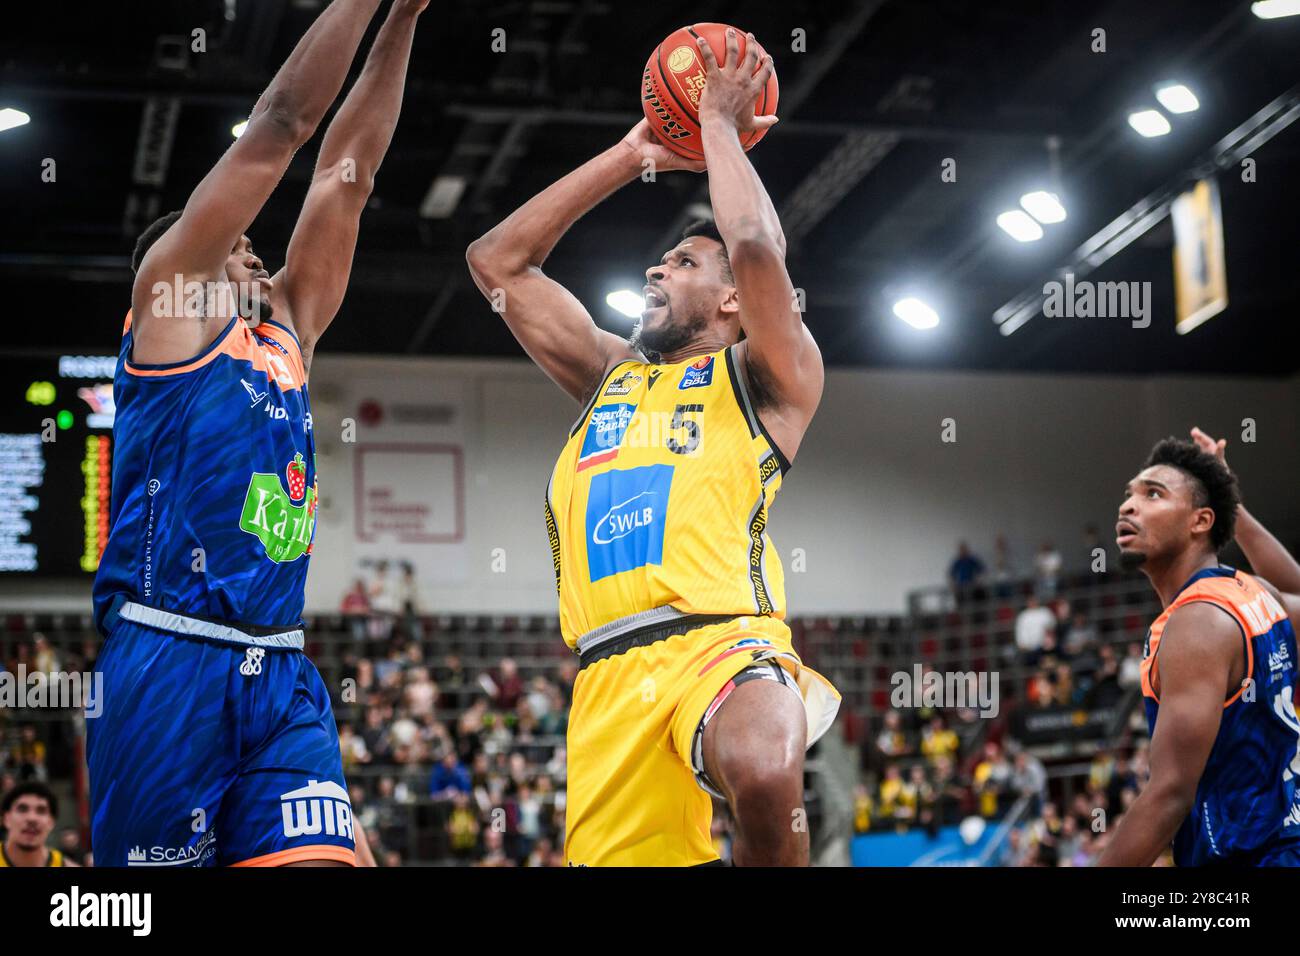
<point>363,128</point>
<point>310,79</point>
<point>1147,829</point>
<point>742,208</point>
<point>1269,559</point>
<point>526,237</point>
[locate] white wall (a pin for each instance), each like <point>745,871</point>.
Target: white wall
<point>876,500</point>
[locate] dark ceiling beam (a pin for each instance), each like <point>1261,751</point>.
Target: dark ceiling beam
<point>1135,221</point>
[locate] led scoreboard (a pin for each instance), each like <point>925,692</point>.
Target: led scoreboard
<point>56,453</point>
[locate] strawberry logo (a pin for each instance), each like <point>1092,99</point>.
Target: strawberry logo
<point>296,472</point>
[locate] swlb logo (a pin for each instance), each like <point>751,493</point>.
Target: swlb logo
<point>699,374</point>
<point>317,808</point>
<point>252,665</point>
<point>626,512</point>
<point>604,434</point>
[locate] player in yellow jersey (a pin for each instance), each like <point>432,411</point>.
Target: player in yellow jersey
<point>28,812</point>
<point>670,590</point>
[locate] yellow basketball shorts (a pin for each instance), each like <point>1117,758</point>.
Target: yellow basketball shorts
<point>633,796</point>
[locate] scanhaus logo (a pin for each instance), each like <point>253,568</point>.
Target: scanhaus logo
<point>317,808</point>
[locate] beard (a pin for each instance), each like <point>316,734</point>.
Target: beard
<point>671,336</point>
<point>1132,560</point>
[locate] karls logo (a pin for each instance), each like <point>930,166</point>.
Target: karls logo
<point>318,808</point>
<point>75,908</point>
<point>283,526</point>
<point>625,519</point>
<point>195,855</point>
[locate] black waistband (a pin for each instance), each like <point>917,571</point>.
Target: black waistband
<point>651,634</point>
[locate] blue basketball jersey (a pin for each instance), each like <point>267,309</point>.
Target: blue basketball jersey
<point>1246,803</point>
<point>214,481</point>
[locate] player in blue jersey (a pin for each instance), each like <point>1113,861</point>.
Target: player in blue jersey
<point>217,743</point>
<point>1218,674</point>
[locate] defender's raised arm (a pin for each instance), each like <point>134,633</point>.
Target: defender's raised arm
<point>230,196</point>
<point>319,260</point>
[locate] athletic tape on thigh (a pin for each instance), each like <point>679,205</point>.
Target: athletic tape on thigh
<point>763,670</point>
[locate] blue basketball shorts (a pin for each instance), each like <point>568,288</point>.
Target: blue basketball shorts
<point>208,753</point>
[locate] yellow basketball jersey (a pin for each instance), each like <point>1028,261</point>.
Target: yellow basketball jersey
<point>660,499</point>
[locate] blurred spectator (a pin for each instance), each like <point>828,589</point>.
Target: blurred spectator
<point>1032,626</point>
<point>449,778</point>
<point>1079,636</point>
<point>937,741</point>
<point>1047,571</point>
<point>964,573</point>
<point>1130,669</point>
<point>1029,779</point>
<point>1004,570</point>
<point>891,741</point>
<point>356,604</point>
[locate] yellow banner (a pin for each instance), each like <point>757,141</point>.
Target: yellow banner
<point>1200,269</point>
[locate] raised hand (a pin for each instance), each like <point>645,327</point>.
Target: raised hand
<point>732,89</point>
<point>1211,447</point>
<point>641,140</point>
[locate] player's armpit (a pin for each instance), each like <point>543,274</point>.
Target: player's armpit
<point>778,345</point>
<point>549,322</point>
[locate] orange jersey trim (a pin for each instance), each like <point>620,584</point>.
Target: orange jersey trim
<point>246,345</point>
<point>1232,595</point>
<point>298,854</point>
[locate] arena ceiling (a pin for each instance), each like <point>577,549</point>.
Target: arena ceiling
<point>883,94</point>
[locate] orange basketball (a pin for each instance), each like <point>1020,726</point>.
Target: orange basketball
<point>674,79</point>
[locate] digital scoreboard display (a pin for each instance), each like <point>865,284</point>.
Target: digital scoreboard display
<point>56,453</point>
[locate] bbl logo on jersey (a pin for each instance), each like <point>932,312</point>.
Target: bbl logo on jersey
<point>626,516</point>
<point>699,374</point>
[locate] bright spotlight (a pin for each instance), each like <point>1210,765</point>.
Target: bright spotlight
<point>1273,9</point>
<point>10,117</point>
<point>626,302</point>
<point>1177,98</point>
<point>1044,206</point>
<point>238,129</point>
<point>1019,226</point>
<point>916,313</point>
<point>1149,122</point>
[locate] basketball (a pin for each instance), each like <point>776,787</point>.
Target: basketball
<point>674,79</point>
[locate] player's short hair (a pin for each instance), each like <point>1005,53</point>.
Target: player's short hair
<point>30,788</point>
<point>150,236</point>
<point>1214,485</point>
<point>709,230</point>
